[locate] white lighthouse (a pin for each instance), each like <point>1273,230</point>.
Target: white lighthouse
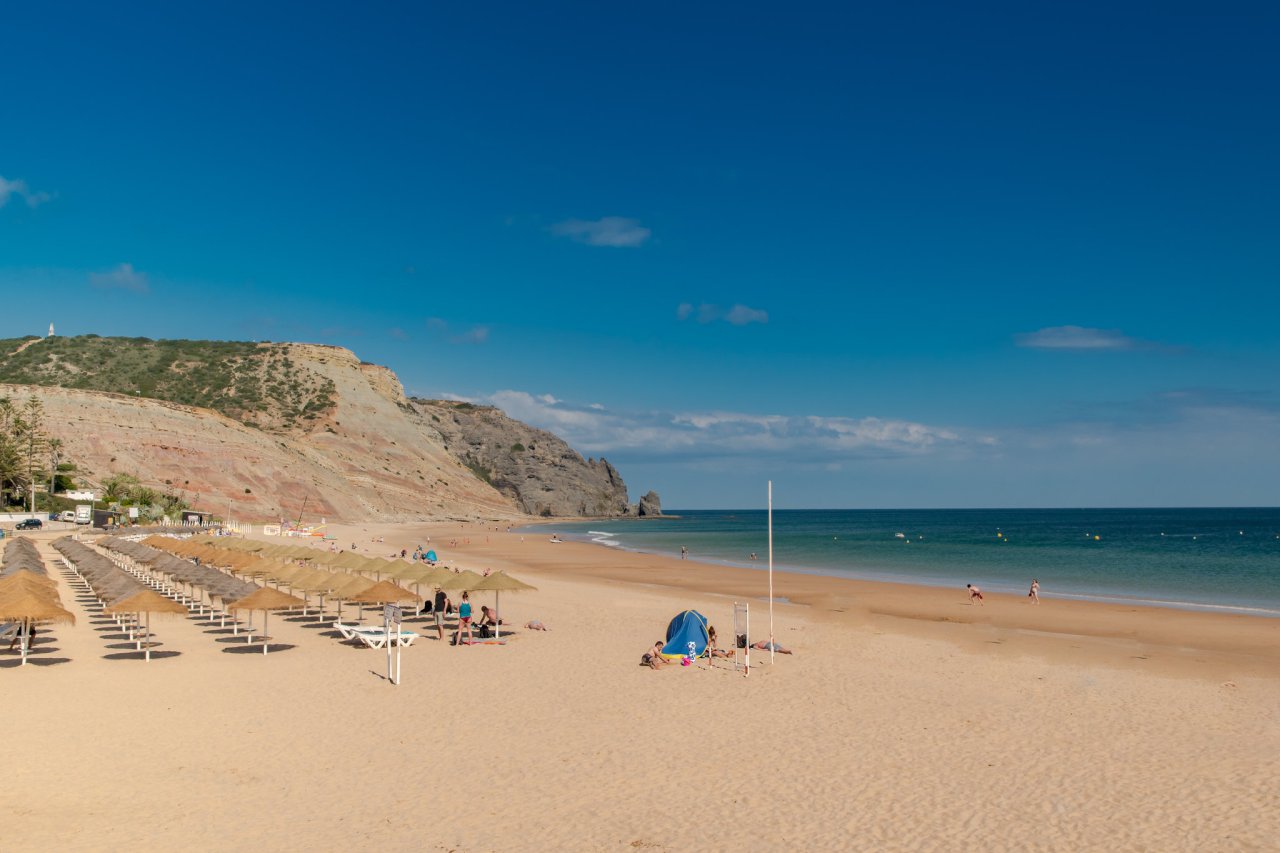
<point>51,330</point>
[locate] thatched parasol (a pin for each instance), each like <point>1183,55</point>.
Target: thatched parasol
<point>466,579</point>
<point>266,599</point>
<point>147,601</point>
<point>498,583</point>
<point>29,606</point>
<point>383,592</point>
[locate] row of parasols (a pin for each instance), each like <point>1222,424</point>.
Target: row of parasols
<point>209,573</point>
<point>339,577</point>
<point>27,594</point>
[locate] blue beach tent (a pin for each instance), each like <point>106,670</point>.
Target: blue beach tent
<point>689,626</point>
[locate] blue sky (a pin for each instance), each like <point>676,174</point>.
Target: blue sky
<point>903,256</point>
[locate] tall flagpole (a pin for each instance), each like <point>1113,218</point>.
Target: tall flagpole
<point>771,644</point>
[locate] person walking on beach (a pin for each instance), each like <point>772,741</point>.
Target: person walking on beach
<point>684,552</point>
<point>464,620</point>
<point>975,594</point>
<point>1034,594</point>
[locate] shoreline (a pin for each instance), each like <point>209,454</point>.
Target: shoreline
<point>1124,598</point>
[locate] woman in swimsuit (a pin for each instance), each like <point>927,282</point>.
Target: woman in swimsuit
<point>712,651</point>
<point>464,619</point>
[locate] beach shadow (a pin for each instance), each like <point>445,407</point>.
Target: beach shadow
<point>137,655</point>
<point>239,638</point>
<point>130,644</point>
<point>32,650</point>
<point>226,630</point>
<point>11,664</point>
<point>256,649</point>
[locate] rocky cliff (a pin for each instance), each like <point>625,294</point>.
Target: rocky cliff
<point>277,425</point>
<point>540,473</point>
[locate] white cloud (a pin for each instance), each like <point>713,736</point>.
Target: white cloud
<point>123,277</point>
<point>9,189</point>
<point>615,231</point>
<point>594,429</point>
<point>1079,338</point>
<point>741,315</point>
<point>738,315</point>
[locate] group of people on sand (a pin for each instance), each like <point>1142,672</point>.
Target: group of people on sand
<point>441,606</point>
<point>654,658</point>
<point>975,594</point>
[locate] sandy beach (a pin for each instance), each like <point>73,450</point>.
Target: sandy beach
<point>907,719</point>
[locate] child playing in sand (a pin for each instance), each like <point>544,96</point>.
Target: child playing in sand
<point>975,594</point>
<point>653,658</point>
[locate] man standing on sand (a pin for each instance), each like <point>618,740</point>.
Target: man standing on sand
<point>975,594</point>
<point>1034,595</point>
<point>684,552</point>
<point>437,611</point>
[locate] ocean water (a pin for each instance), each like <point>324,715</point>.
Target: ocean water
<point>1211,559</point>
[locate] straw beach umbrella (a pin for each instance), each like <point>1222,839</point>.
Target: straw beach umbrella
<point>147,601</point>
<point>466,579</point>
<point>266,599</point>
<point>384,592</point>
<point>498,583</point>
<point>28,607</point>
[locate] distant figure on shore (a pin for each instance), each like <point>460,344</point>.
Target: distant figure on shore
<point>684,552</point>
<point>536,625</point>
<point>753,555</point>
<point>1034,594</point>
<point>766,646</point>
<point>653,658</point>
<point>975,594</point>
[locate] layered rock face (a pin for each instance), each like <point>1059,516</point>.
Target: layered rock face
<point>538,471</point>
<point>369,453</point>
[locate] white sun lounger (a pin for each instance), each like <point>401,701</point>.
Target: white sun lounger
<point>348,631</point>
<point>10,629</point>
<point>376,638</point>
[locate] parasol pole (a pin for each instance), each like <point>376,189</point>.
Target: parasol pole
<point>771,643</point>
<point>497,613</point>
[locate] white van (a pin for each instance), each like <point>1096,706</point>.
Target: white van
<point>67,515</point>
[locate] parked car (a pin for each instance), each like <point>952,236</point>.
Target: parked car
<point>29,524</point>
<point>67,515</point>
